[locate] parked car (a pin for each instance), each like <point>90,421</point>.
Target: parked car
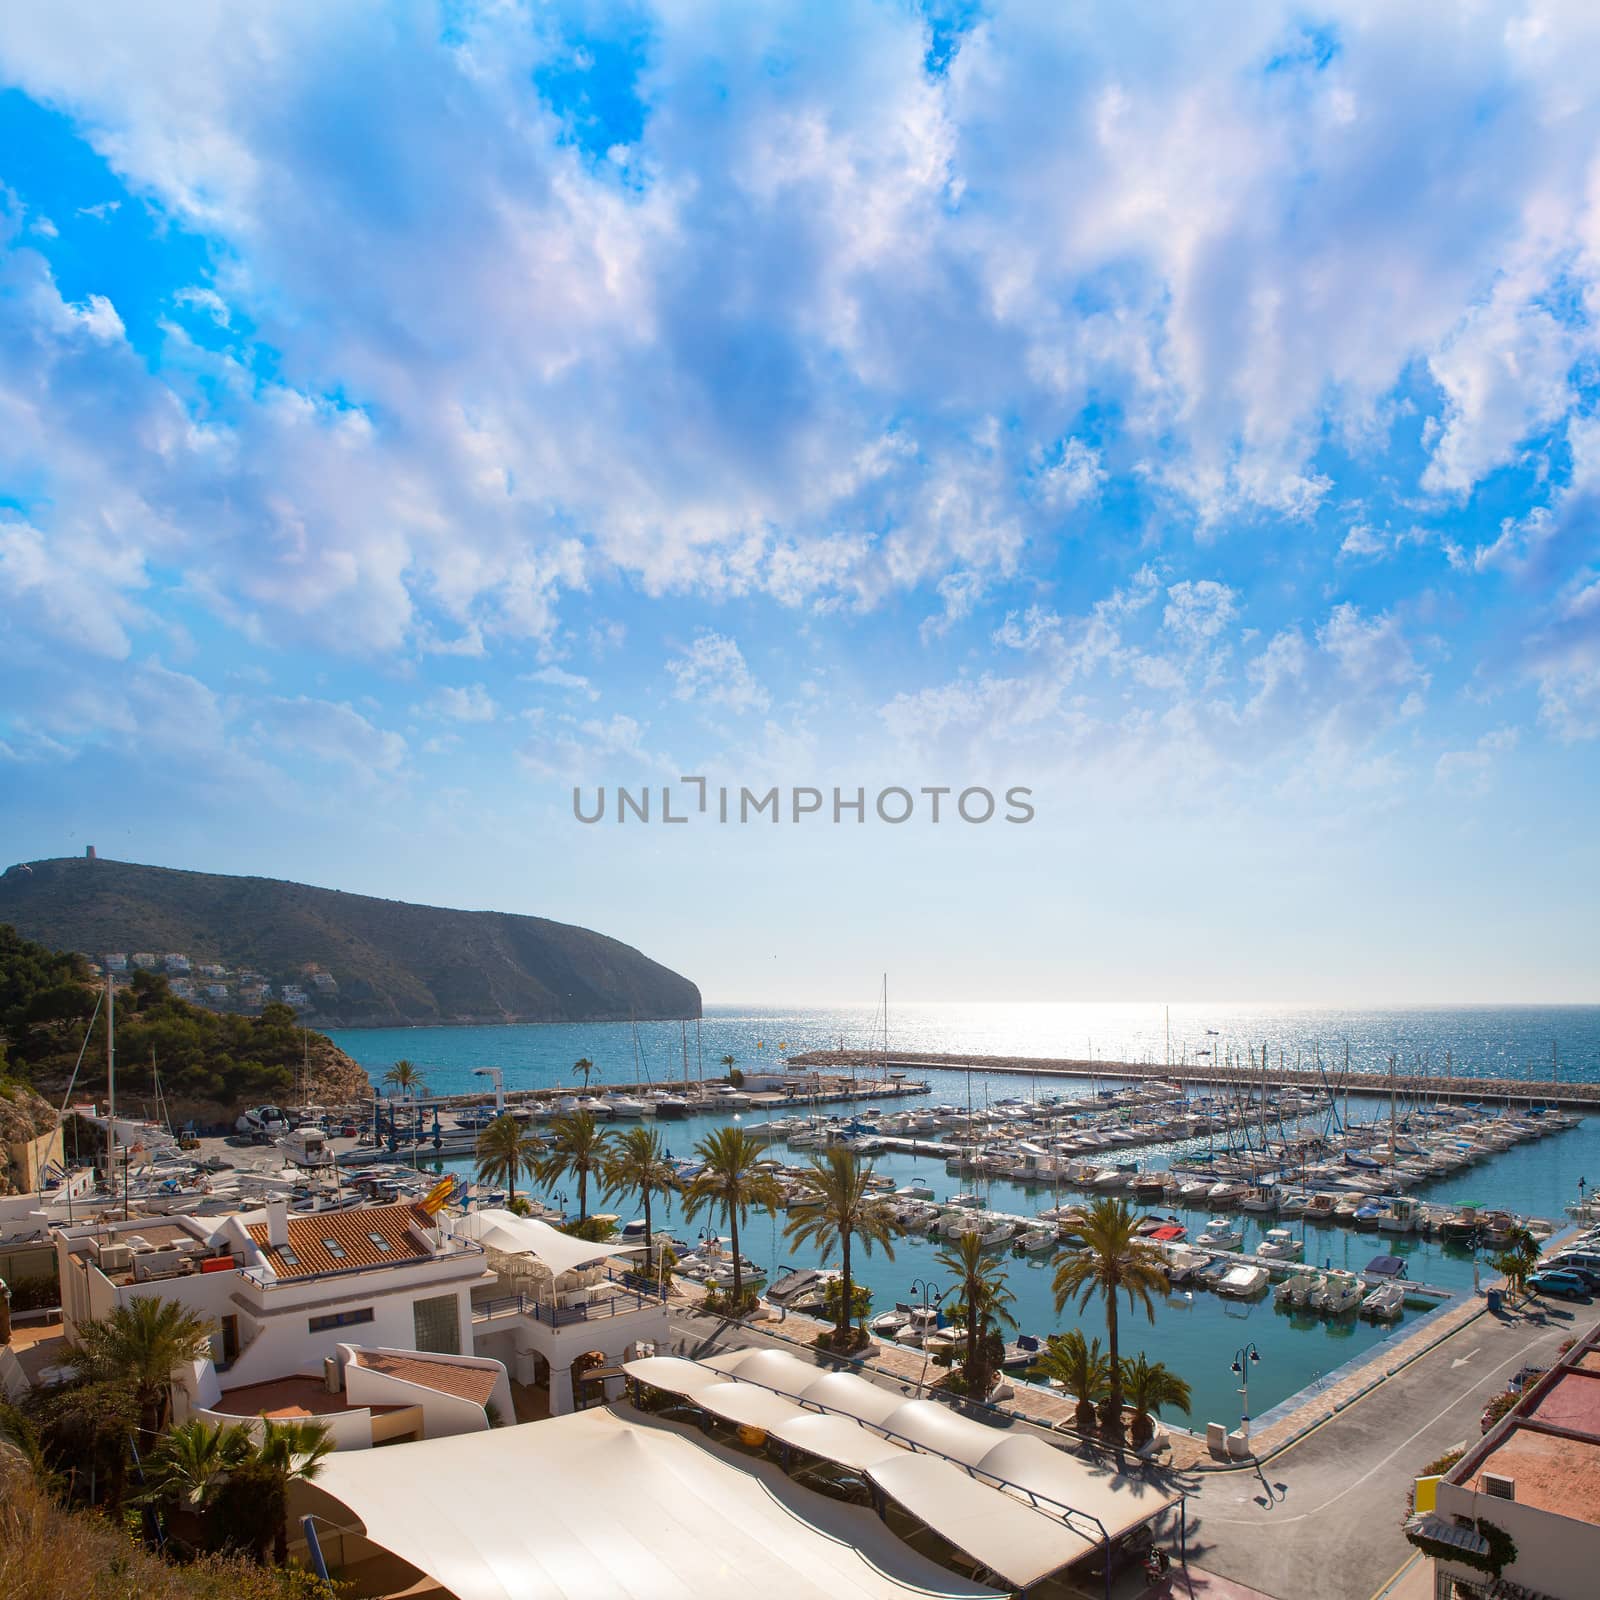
<point>1590,1275</point>
<point>1563,1285</point>
<point>1524,1378</point>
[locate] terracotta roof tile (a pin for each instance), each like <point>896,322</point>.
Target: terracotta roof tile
<point>351,1232</point>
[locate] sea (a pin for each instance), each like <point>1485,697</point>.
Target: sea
<point>1196,1333</point>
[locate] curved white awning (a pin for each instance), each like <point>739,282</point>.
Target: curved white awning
<point>622,1510</point>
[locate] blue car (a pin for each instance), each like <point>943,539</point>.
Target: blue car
<point>1564,1285</point>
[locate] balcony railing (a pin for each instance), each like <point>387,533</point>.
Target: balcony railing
<point>620,1302</point>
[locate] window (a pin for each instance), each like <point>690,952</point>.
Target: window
<point>334,1249</point>
<point>288,1257</point>
<point>379,1240</point>
<point>438,1325</point>
<point>341,1319</point>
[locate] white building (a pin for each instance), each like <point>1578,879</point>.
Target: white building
<point>177,961</point>
<point>287,1295</point>
<point>555,1301</point>
<point>1531,1485</point>
<point>115,961</point>
<point>145,960</point>
<point>384,1321</point>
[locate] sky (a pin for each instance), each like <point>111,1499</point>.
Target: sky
<point>413,413</point>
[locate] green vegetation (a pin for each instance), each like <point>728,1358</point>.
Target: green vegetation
<point>981,1307</point>
<point>637,1164</point>
<point>1151,1387</point>
<point>837,1206</point>
<point>46,1001</point>
<point>404,1078</point>
<point>1080,1368</point>
<point>505,1152</point>
<point>47,1551</point>
<point>579,1150</point>
<point>736,1177</point>
<point>393,962</point>
<point>583,1067</point>
<point>1114,1261</point>
<point>210,1489</point>
<point>1517,1258</point>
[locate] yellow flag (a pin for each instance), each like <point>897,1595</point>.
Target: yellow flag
<point>433,1201</point>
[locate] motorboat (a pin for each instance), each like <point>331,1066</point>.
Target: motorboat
<point>626,1106</point>
<point>923,1321</point>
<point>1341,1292</point>
<point>915,1190</point>
<point>1279,1244</point>
<point>1221,1234</point>
<point>1035,1240</point>
<point>887,1324</point>
<point>673,1105</point>
<point>1183,1263</point>
<point>1242,1282</point>
<point>1384,1303</point>
<point>263,1122</point>
<point>1296,1289</point>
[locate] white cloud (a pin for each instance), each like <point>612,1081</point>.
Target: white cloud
<point>1468,771</point>
<point>1075,476</point>
<point>471,703</point>
<point>1196,612</point>
<point>327,731</point>
<point>713,670</point>
<point>559,678</point>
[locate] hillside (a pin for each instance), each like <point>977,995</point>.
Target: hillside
<point>210,1064</point>
<point>392,962</point>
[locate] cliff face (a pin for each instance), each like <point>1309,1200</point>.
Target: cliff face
<point>392,962</point>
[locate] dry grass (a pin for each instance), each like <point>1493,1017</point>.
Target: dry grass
<point>47,1553</point>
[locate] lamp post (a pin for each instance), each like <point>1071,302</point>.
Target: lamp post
<point>1243,1360</point>
<point>931,1295</point>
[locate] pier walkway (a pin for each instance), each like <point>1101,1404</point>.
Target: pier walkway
<point>1456,1087</point>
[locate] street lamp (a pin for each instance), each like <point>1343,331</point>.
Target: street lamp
<point>1243,1360</point>
<point>499,1086</point>
<point>931,1294</point>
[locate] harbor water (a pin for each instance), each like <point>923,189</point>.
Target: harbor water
<point>1195,1331</point>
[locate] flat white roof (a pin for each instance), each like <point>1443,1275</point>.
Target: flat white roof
<point>619,1509</point>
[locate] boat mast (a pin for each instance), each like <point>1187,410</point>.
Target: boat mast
<point>1391,1109</point>
<point>111,1086</point>
<point>683,1034</point>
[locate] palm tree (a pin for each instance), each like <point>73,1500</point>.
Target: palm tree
<point>192,1463</point>
<point>505,1152</point>
<point>1517,1257</point>
<point>577,1149</point>
<point>638,1165</point>
<point>728,1064</point>
<point>1150,1386</point>
<point>256,1502</point>
<point>836,1204</point>
<point>1114,1260</point>
<point>1080,1368</point>
<point>981,1301</point>
<point>585,1066</point>
<point>735,1176</point>
<point>404,1078</point>
<point>138,1346</point>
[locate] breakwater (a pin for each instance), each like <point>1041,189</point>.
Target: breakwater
<point>1455,1087</point>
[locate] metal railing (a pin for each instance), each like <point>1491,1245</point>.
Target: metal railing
<point>617,1304</point>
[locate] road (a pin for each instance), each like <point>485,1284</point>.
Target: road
<point>1324,1517</point>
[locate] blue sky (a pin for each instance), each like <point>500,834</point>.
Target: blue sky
<point>410,412</point>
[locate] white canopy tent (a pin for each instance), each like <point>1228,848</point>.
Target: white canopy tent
<point>1021,1544</point>
<point>512,1235</point>
<point>595,1506</point>
<point>1081,1502</point>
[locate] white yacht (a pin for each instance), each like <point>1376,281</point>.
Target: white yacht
<point>1279,1244</point>
<point>1221,1234</point>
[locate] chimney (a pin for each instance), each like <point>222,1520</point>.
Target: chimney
<point>277,1224</point>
